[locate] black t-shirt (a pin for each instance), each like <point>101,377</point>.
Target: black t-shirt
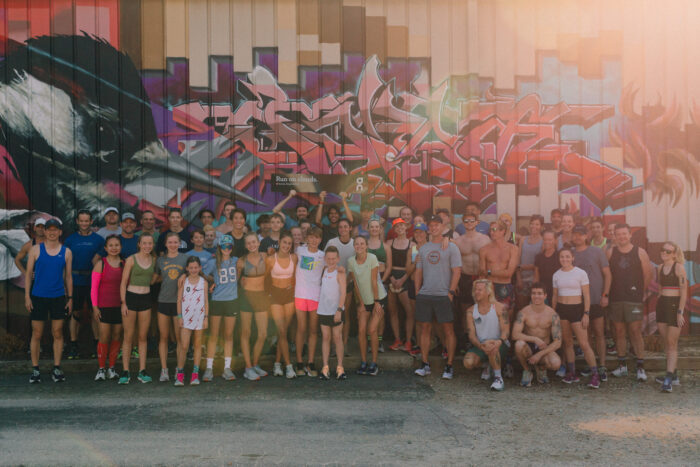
<point>185,243</point>
<point>268,242</point>
<point>547,266</point>
<point>239,249</point>
<point>328,233</point>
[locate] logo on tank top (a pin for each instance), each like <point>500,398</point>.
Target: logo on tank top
<point>433,257</point>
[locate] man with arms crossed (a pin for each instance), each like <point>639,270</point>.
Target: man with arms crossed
<point>436,278</point>
<point>488,324</point>
<point>537,336</point>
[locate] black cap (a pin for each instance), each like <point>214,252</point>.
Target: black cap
<point>435,219</point>
<point>580,229</point>
<point>53,223</point>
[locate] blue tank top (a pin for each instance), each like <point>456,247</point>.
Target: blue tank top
<point>48,274</point>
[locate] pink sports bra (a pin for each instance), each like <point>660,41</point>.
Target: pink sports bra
<point>278,272</point>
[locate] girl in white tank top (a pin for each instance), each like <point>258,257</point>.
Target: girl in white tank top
<point>193,317</point>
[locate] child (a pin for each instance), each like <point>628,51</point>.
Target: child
<point>193,315</point>
<point>331,310</point>
<point>198,239</point>
<point>210,238</point>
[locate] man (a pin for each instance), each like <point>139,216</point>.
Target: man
<point>597,232</point>
<point>148,225</point>
<point>330,225</point>
<point>238,220</point>
<point>469,245</point>
<point>498,261</point>
<point>129,239</point>
<point>300,213</point>
<point>529,247</point>
<point>537,336</point>
<point>175,223</point>
<point>594,262</point>
<point>447,230</point>
<point>271,242</point>
<point>555,217</point>
<point>49,294</point>
<point>111,216</point>
<point>473,208</point>
<point>346,249</point>
<point>489,326</point>
<point>436,278</point>
<point>406,213</point>
<point>39,236</point>
<point>83,245</point>
<point>631,275</point>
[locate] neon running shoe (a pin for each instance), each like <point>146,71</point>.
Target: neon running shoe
<point>125,378</point>
<point>594,382</point>
<point>424,369</point>
<point>570,378</point>
<point>179,379</point>
<point>194,379</point>
<point>143,377</point>
<point>396,345</point>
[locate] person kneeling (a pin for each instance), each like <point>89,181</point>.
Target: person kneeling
<point>537,336</point>
<point>487,322</point>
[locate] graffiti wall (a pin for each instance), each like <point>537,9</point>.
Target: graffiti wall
<point>522,106</point>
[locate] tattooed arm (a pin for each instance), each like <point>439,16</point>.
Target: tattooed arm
<point>471,329</point>
<point>556,337</point>
<point>504,321</point>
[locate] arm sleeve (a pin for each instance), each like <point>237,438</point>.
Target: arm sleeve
<point>94,287</point>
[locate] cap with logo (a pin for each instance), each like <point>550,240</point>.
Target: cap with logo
<point>128,215</point>
<point>580,229</point>
<point>420,226</point>
<point>398,220</point>
<point>432,219</point>
<point>110,209</point>
<point>226,240</point>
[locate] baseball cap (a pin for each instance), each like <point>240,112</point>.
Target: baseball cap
<point>40,221</point>
<point>54,223</point>
<point>128,215</point>
<point>580,229</point>
<point>443,211</point>
<point>420,226</point>
<point>226,240</point>
<point>110,209</point>
<point>398,220</point>
<point>434,219</point>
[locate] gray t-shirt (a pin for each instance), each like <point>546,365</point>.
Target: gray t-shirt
<point>170,269</point>
<point>437,265</point>
<point>592,260</point>
<point>104,233</point>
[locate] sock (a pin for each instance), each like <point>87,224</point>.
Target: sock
<point>497,374</point>
<point>210,363</point>
<point>36,367</point>
<point>179,370</point>
<point>570,368</point>
<point>640,363</point>
<point>622,361</point>
<point>101,354</point>
<point>195,369</point>
<point>114,348</point>
<point>227,362</point>
<point>594,370</point>
<point>675,374</point>
<point>669,375</point>
<point>56,367</point>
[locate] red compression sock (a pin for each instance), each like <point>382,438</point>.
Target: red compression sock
<point>102,354</point>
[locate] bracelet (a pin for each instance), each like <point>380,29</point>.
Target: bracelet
<point>179,316</point>
<point>587,312</point>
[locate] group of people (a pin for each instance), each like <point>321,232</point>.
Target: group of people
<point>537,298</point>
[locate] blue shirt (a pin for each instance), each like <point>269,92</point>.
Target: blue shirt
<point>130,246</point>
<point>225,278</point>
<point>204,256</point>
<point>482,227</point>
<point>84,248</point>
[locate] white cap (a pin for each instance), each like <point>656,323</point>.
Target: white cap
<point>40,221</point>
<point>110,209</point>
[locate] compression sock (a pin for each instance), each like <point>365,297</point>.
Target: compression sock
<point>210,363</point>
<point>640,363</point>
<point>571,368</point>
<point>497,374</point>
<point>101,354</point>
<point>36,367</point>
<point>227,362</point>
<point>114,348</point>
<point>195,369</point>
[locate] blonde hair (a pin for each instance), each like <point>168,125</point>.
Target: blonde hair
<point>208,228</point>
<point>489,289</point>
<point>678,256</point>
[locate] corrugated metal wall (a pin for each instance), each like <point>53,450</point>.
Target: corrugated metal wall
<point>521,105</point>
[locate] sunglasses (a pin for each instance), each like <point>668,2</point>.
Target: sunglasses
<point>227,247</point>
<point>468,221</point>
<point>668,252</point>
<point>496,229</point>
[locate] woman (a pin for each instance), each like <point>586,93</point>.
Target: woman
<point>567,231</point>
<point>572,301</point>
<point>135,294</point>
<point>252,269</point>
<point>169,268</point>
<point>669,308</point>
<point>364,270</point>
<point>224,225</point>
<point>297,236</point>
<point>281,268</point>
<point>224,304</point>
<point>331,311</point>
<point>104,294</point>
<point>399,257</point>
<point>375,246</point>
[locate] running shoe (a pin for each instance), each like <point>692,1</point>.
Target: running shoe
<point>381,346</point>
<point>561,372</point>
<point>578,351</point>
<point>424,369</point>
<point>300,369</point>
<point>594,382</point>
<point>363,369</point>
<point>415,352</point>
<point>277,369</point>
<point>143,377</point>
<point>251,374</point>
<point>310,370</point>
<point>571,378</point>
<point>508,370</point>
<point>208,375</point>
<point>542,377</point>
<point>101,375</point>
<point>497,384</point>
<point>179,379</point>
<point>448,372</point>
<point>444,353</point>
<point>603,373</point>
<point>164,375</point>
<point>486,373</point>
<point>112,373</point>
<point>228,374</point>
<point>35,377</point>
<point>325,374</point>
<point>125,378</point>
<point>641,375</point>
<point>72,351</point>
<point>676,381</point>
<point>172,347</point>
<point>135,352</point>
<point>611,349</point>
<point>396,345</point>
<point>408,347</point>
<point>340,373</point>
<point>194,379</point>
<point>620,371</point>
<point>586,371</point>
<point>289,372</point>
<point>667,385</point>
<point>526,380</point>
<point>58,376</point>
<point>259,371</point>
<point>373,369</point>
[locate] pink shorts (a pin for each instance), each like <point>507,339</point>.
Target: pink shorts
<point>303,304</point>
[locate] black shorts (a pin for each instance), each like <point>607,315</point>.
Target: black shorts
<point>571,313</point>
<point>329,320</point>
<point>225,308</point>
<point>281,296</point>
<point>397,274</point>
<point>429,306</point>
<point>466,282</point>
<point>597,312</point>
<point>138,302</point>
<point>111,315</point>
<point>44,308</point>
<point>411,286</point>
<point>81,295</point>
<point>254,301</point>
<point>368,308</point>
<point>167,309</point>
<point>667,309</point>
<point>533,348</point>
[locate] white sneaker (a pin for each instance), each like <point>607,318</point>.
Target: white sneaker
<point>289,372</point>
<point>101,375</point>
<point>497,384</point>
<point>260,371</point>
<point>621,371</point>
<point>486,373</point>
<point>250,374</point>
<point>228,374</point>
<point>277,369</point>
<point>561,372</point>
<point>424,370</point>
<point>164,376</point>
<point>641,374</point>
<point>208,375</point>
<point>112,373</point>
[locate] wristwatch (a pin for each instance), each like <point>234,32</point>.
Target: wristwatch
<point>587,312</point>
<point>452,292</point>
<point>340,309</point>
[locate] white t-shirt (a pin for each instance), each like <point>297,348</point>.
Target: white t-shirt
<point>308,273</point>
<point>345,250</point>
<point>569,283</point>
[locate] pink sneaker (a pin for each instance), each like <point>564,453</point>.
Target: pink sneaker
<point>571,378</point>
<point>179,379</point>
<point>194,380</point>
<point>594,382</point>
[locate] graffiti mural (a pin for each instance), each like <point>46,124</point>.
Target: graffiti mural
<point>97,110</point>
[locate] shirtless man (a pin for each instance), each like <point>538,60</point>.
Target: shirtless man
<point>469,245</point>
<point>537,336</point>
<point>498,261</point>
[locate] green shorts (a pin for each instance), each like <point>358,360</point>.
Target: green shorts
<point>626,312</point>
<point>503,350</point>
<point>228,308</point>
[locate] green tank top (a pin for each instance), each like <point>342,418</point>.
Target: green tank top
<point>380,253</point>
<point>142,277</point>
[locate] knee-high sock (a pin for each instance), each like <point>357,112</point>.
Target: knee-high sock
<point>102,354</point>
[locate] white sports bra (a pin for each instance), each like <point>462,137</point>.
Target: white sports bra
<point>278,272</point>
